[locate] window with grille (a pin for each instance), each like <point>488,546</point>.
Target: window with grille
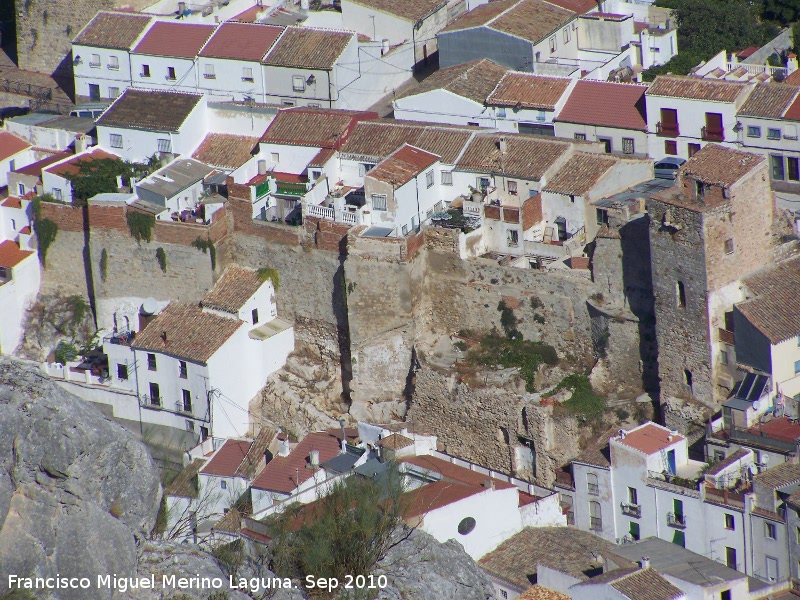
<point>580,137</point>
<point>165,145</point>
<point>186,397</point>
<point>95,61</point>
<point>378,201</point>
<point>627,145</point>
<point>247,74</point>
<point>209,72</point>
<point>183,372</point>
<point>151,362</point>
<point>447,178</point>
<point>113,92</point>
<point>116,140</point>
<point>155,394</point>
<point>299,83</point>
<point>512,188</point>
<point>429,179</point>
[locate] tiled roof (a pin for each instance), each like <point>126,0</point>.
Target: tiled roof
<point>72,166</point>
<point>285,473</point>
<point>113,30</point>
<point>597,453</point>
<point>778,476</point>
<point>480,15</point>
<point>185,484</point>
<point>775,310</point>
<point>181,40</point>
<point>577,6</point>
<point>532,20</point>
<point>779,428</point>
<point>528,157</point>
<point>728,461</point>
<point>640,584</point>
<point>322,157</point>
<point>323,128</point>
<point>241,41</point>
<point>474,80</point>
<point>254,460</point>
<point>607,232</point>
<point>225,150</point>
<point>410,10</point>
<point>191,332</point>
<point>649,438</point>
<point>395,441</point>
<point>226,461</point>
<point>374,140</point>
<point>793,112</point>
<point>769,100</point>
<point>234,288</point>
<point>454,473</point>
<point>12,202</point>
<point>717,165</point>
<point>11,145</point>
<point>606,104</point>
<point>11,254</point>
<point>538,592</point>
<point>527,90</point>
<point>566,549</point>
<point>793,78</point>
<point>307,48</point>
<point>35,169</point>
<point>402,166</point>
<point>695,88</point>
<point>580,174</point>
<point>435,495</point>
<point>153,110</point>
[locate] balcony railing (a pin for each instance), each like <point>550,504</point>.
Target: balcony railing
<point>676,520</point>
<point>594,489</point>
<point>668,129</point>
<point>632,510</point>
<point>288,188</point>
<point>262,189</point>
<point>713,135</point>
<point>595,523</point>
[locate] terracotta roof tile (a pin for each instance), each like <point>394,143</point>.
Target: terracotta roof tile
<point>11,254</point>
<point>72,166</point>
<point>529,20</point>
<point>649,438</point>
<point>528,157</point>
<point>185,484</point>
<point>35,169</point>
<point>226,461</point>
<point>778,476</point>
<point>793,112</point>
<point>580,174</point>
<point>644,584</point>
<point>12,202</point>
<point>607,232</point>
<point>307,48</point>
<point>11,145</point>
<point>402,166</point>
<point>606,104</point>
<point>576,6</point>
<point>191,332</point>
<point>454,473</point>
<point>717,165</point>
<point>113,30</point>
<point>225,150</point>
<point>395,441</point>
<point>322,157</point>
<point>566,549</point>
<point>480,15</point>
<point>474,80</point>
<point>254,461</point>
<point>769,100</point>
<point>695,88</point>
<point>435,495</point>
<point>181,40</point>
<point>153,110</point>
<point>775,309</point>
<point>234,288</point>
<point>409,10</point>
<point>527,90</point>
<point>241,41</point>
<point>284,473</point>
<point>728,461</point>
<point>793,78</point>
<point>375,140</point>
<point>538,592</point>
<point>323,128</point>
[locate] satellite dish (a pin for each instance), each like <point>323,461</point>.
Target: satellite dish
<point>765,458</point>
<point>149,307</point>
<point>756,405</point>
<point>753,470</point>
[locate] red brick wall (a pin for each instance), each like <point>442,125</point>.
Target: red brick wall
<point>532,212</point>
<point>491,212</point>
<point>108,217</point>
<point>510,214</point>
<point>68,218</point>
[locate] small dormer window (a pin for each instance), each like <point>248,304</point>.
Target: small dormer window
<point>700,190</point>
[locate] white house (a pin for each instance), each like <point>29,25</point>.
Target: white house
<point>141,124</point>
<point>19,284</point>
<point>179,189</point>
<point>55,179</point>
<point>15,153</point>
<point>528,103</point>
<point>101,62</point>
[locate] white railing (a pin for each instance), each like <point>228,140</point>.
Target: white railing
<point>323,212</point>
<point>756,69</point>
<point>348,217</point>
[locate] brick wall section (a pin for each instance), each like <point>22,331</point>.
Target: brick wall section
<point>414,243</point>
<point>68,218</point>
<point>108,217</point>
<point>184,234</point>
<point>510,214</point>
<point>532,212</point>
<point>491,212</point>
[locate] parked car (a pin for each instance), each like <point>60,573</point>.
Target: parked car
<point>666,168</point>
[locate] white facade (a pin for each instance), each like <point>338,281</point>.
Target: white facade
<point>227,79</point>
<point>23,158</point>
<point>164,73</point>
<point>19,286</point>
<point>619,139</point>
<point>100,73</point>
<point>443,106</point>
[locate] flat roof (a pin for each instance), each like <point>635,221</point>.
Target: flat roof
<point>175,177</point>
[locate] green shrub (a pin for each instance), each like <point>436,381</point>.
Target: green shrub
<point>140,225</point>
<point>46,232</point>
<point>622,414</point>
<point>508,353</point>
<point>536,303</point>
<point>508,321</point>
<point>584,404</point>
<point>65,352</point>
<point>269,274</point>
<point>161,257</point>
<point>104,264</point>
<point>207,246</point>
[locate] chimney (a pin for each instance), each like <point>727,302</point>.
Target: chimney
<point>342,422</point>
<point>645,562</point>
<point>305,5</point>
<point>283,445</point>
<point>791,63</point>
<point>80,142</point>
<point>384,47</point>
<point>262,167</point>
<point>313,459</point>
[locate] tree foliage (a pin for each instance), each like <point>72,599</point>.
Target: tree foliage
<point>782,11</point>
<point>140,225</point>
<point>99,176</point>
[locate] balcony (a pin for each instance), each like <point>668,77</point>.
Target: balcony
<point>632,510</point>
<point>595,524</point>
<point>290,188</point>
<point>209,75</point>
<point>712,135</point>
<point>668,129</point>
<point>676,520</point>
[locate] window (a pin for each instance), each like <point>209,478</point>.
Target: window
<point>607,143</point>
<point>602,216</point>
<point>797,367</point>
<point>671,147</point>
<point>447,178</point>
<point>155,395</point>
<point>57,194</point>
<point>299,83</point>
<point>595,517</point>
<point>723,357</point>
<point>513,237</point>
<point>13,224</point>
<point>770,531</point>
<point>773,134</point>
<point>113,92</point>
<point>572,198</point>
<point>116,140</point>
<point>21,189</point>
<point>364,168</point>
<point>501,113</point>
<point>729,246</point>
<point>186,397</point>
<point>378,201</point>
<point>793,169</point>
<point>171,74</point>
<point>94,62</point>
<point>208,71</point>
<point>429,179</point>
<point>254,315</point>
<point>223,484</point>
<point>591,484</point>
<point>730,523</point>
<point>797,534</point>
<point>189,425</point>
<point>466,526</point>
<point>669,123</point>
<point>145,71</point>
<point>122,372</point>
<point>679,539</point>
<point>512,188</point>
<point>772,568</point>
<point>165,145</point>
<point>776,161</point>
<point>725,595</point>
<point>404,230</point>
<point>687,377</point>
<point>183,372</point>
<point>151,362</point>
<point>247,74</point>
<point>790,132</point>
<point>503,595</point>
<point>473,124</point>
<point>753,131</point>
<point>580,136</point>
<point>633,496</point>
<point>113,63</point>
<point>275,157</point>
<point>680,295</point>
<point>693,149</point>
<point>634,531</point>
<point>553,44</point>
<point>566,35</point>
<point>627,145</point>
<point>287,102</point>
<point>483,183</point>
<point>699,189</point>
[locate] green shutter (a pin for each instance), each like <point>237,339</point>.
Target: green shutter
<point>679,539</point>
<point>634,530</point>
